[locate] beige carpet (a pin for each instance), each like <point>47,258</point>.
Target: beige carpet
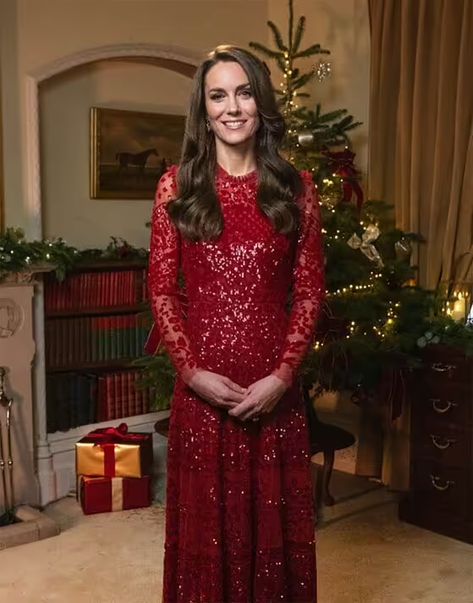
<point>365,556</point>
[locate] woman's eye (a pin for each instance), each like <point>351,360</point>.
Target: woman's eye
<point>216,96</point>
<point>246,93</point>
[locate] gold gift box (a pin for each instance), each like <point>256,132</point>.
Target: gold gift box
<point>115,459</point>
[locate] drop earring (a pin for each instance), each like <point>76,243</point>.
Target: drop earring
<point>207,125</point>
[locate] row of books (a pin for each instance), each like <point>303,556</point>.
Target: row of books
<point>93,339</point>
<point>74,399</point>
<point>88,290</point>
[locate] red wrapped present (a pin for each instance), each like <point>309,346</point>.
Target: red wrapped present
<point>115,452</point>
<point>104,494</point>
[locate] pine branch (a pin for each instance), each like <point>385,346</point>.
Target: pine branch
<point>299,33</point>
<point>314,49</point>
<point>302,80</point>
<point>272,54</point>
<point>277,36</point>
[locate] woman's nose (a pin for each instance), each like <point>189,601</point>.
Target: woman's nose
<point>233,105</point>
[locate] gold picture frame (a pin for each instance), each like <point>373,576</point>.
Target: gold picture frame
<point>130,150</point>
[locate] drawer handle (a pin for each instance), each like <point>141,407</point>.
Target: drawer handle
<point>442,368</point>
<point>440,442</point>
<point>435,479</point>
<point>437,406</point>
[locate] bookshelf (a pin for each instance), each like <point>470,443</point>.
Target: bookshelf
<point>94,329</point>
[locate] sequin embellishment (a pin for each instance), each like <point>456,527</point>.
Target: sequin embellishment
<point>239,514</point>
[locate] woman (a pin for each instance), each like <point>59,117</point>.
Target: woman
<point>243,225</point>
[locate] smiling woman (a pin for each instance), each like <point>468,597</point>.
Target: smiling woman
<point>243,227</point>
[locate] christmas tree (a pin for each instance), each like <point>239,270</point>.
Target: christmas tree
<point>376,317</point>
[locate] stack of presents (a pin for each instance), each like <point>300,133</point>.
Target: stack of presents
<point>114,468</point>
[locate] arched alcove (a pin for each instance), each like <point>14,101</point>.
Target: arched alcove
<point>173,58</point>
<point>55,455</point>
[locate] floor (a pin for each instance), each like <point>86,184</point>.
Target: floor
<point>365,555</point>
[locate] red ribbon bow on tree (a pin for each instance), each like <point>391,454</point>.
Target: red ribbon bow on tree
<point>341,164</point>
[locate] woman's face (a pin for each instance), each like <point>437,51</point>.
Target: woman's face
<point>231,107</point>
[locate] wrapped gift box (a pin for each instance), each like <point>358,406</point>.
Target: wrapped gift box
<point>114,452</point>
<point>104,494</point>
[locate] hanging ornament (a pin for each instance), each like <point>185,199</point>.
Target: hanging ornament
<point>365,244</point>
<point>322,70</point>
<point>341,164</point>
<point>305,138</point>
<point>403,249</point>
<point>330,191</point>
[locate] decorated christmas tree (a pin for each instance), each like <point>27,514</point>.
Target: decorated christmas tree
<point>376,317</point>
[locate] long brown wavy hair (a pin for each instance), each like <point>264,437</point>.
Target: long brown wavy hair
<point>196,212</point>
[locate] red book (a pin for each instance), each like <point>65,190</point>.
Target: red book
<point>74,299</point>
<point>84,300</point>
<point>145,295</point>
<point>107,286</point>
<point>128,378</point>
<point>114,284</point>
<point>124,395</point>
<point>131,287</point>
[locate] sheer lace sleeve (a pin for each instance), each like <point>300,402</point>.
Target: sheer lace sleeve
<point>163,282</point>
<point>309,286</point>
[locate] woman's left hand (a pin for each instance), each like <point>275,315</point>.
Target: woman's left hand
<point>260,398</point>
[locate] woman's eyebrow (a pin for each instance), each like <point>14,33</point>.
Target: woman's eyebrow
<point>237,88</point>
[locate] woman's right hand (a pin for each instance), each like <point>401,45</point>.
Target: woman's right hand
<point>218,390</point>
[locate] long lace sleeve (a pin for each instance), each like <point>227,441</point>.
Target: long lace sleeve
<point>163,282</point>
<point>309,286</point>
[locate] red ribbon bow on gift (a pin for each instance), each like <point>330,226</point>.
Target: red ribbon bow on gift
<point>341,163</point>
<point>107,438</point>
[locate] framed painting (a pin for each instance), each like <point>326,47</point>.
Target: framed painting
<point>130,150</point>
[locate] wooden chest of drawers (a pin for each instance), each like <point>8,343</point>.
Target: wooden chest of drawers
<point>440,496</point>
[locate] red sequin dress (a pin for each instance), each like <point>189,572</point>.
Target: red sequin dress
<point>239,508</point>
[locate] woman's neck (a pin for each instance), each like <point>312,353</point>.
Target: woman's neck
<point>236,162</point>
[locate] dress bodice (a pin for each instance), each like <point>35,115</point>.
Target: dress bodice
<point>250,262</point>
<point>234,280</point>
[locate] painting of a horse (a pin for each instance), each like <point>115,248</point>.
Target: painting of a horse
<point>130,150</point>
<point>135,159</point>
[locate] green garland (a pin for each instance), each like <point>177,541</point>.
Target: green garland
<point>19,255</point>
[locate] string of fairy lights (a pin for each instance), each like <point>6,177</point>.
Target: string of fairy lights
<point>290,105</point>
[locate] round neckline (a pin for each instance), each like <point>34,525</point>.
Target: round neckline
<point>242,177</point>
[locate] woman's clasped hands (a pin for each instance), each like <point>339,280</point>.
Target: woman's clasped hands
<point>242,403</point>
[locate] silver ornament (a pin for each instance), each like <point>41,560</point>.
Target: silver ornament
<point>305,138</point>
<point>322,70</point>
<point>403,249</point>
